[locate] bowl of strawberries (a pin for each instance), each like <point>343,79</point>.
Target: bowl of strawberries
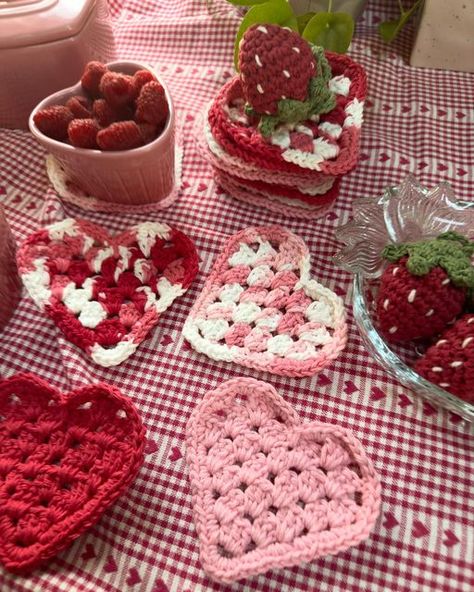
<point>412,252</point>
<point>112,133</point>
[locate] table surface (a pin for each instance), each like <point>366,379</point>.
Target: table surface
<point>416,120</point>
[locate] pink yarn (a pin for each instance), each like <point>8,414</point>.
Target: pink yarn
<point>260,308</point>
<point>270,491</point>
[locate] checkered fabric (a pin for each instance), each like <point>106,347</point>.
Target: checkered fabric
<point>416,120</point>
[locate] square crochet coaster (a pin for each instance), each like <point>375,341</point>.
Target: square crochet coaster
<point>260,308</point>
<point>64,459</point>
<point>106,293</point>
<point>270,491</point>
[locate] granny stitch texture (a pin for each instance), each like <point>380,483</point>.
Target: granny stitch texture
<point>106,293</point>
<point>259,307</point>
<point>64,459</point>
<point>270,491</point>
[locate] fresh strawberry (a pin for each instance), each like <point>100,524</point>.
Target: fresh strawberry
<point>82,133</point>
<point>92,76</point>
<point>449,363</point>
<point>116,88</point>
<point>140,78</point>
<point>275,63</point>
<point>80,107</point>
<point>152,106</point>
<point>425,286</point>
<point>53,121</point>
<point>122,135</point>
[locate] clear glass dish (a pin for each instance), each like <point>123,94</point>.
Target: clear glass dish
<point>405,213</point>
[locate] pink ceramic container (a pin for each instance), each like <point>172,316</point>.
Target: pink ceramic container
<point>10,285</point>
<point>44,46</point>
<point>139,176</point>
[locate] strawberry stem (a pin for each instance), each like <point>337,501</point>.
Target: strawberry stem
<point>450,251</point>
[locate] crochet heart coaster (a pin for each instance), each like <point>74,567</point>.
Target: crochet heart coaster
<point>105,293</point>
<point>259,307</point>
<point>270,491</point>
<point>64,459</point>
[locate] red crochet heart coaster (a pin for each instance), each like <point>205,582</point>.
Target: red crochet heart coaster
<point>64,459</point>
<point>106,293</point>
<point>270,491</point>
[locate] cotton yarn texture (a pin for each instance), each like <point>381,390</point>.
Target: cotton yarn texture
<point>260,308</point>
<point>64,459</point>
<point>296,169</point>
<point>270,491</point>
<point>106,293</point>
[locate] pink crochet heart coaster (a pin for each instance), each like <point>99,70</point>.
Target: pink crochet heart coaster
<point>259,307</point>
<point>64,459</point>
<point>270,491</point>
<point>105,293</point>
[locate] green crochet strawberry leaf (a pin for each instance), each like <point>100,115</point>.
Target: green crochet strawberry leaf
<point>331,30</point>
<point>321,99</point>
<point>273,12</point>
<point>450,251</point>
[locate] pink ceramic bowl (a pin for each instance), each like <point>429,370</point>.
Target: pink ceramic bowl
<point>140,176</point>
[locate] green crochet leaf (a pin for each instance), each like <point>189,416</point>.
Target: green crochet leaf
<point>320,99</point>
<point>450,251</point>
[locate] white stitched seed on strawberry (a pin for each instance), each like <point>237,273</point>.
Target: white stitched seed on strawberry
<point>270,70</point>
<point>386,303</point>
<point>411,296</point>
<point>467,341</point>
<point>437,369</point>
<point>430,312</point>
<point>456,364</point>
<point>444,384</point>
<point>393,330</point>
<point>445,282</point>
<point>441,341</point>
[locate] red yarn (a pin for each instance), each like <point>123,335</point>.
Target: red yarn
<point>64,459</point>
<point>449,363</point>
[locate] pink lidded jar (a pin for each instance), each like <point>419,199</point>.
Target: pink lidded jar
<point>44,46</point>
<point>10,285</point>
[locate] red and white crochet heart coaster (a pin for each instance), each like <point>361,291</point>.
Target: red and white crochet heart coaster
<point>105,293</point>
<point>64,459</point>
<point>270,491</point>
<point>259,307</point>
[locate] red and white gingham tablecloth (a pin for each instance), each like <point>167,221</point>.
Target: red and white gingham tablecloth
<point>416,120</point>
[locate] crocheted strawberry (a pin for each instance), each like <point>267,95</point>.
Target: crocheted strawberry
<point>425,286</point>
<point>284,78</point>
<point>449,363</point>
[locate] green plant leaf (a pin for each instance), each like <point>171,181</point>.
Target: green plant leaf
<point>331,30</point>
<point>303,20</point>
<point>277,12</point>
<point>389,29</point>
<point>247,2</point>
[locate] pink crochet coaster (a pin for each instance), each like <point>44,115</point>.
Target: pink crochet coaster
<point>106,293</point>
<point>270,491</point>
<point>277,199</point>
<point>327,145</point>
<point>64,459</point>
<point>260,308</point>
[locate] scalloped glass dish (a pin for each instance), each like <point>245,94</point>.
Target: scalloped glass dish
<point>405,213</point>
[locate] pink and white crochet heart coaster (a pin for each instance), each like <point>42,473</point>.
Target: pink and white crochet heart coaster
<point>259,307</point>
<point>270,491</point>
<point>106,293</point>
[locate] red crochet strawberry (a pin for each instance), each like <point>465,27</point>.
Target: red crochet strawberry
<point>284,78</point>
<point>425,287</point>
<point>449,363</point>
<point>275,63</point>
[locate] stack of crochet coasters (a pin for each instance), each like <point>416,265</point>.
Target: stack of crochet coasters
<point>283,132</point>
